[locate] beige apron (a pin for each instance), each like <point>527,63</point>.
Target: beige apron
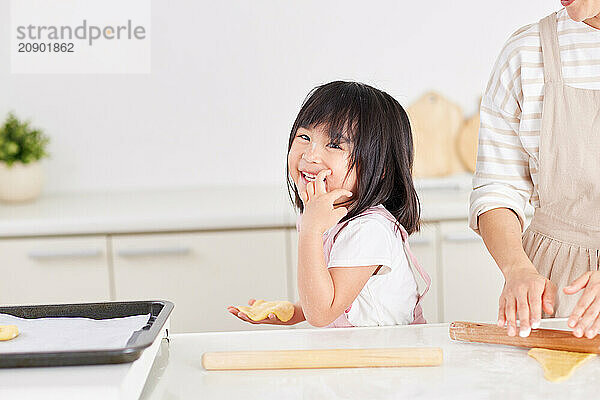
<point>564,236</point>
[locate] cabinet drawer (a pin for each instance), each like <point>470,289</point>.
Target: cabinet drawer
<point>202,273</point>
<point>54,270</point>
<point>472,282</point>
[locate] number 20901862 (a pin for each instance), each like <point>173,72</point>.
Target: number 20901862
<point>46,47</point>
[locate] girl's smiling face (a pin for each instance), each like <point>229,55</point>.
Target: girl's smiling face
<point>312,151</point>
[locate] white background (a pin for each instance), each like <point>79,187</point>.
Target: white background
<point>228,78</point>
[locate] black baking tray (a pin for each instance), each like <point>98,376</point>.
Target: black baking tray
<point>159,311</point>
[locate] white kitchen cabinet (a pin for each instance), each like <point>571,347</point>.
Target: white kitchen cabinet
<point>54,270</point>
<point>292,250</point>
<point>471,281</point>
<point>423,246</point>
<point>202,273</point>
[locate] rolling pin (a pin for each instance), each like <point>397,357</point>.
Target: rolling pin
<point>544,338</point>
<point>330,358</point>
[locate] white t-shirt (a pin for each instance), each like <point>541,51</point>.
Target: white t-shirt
<point>389,297</point>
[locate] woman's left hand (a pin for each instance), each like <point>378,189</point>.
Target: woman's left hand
<point>585,318</point>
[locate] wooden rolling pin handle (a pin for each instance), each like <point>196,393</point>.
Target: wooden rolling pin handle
<point>331,358</point>
<point>544,338</point>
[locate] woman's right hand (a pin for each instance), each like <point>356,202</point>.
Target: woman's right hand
<point>524,296</point>
<point>271,318</point>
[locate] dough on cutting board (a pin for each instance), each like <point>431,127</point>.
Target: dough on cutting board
<point>559,365</point>
<point>8,332</point>
<point>284,310</point>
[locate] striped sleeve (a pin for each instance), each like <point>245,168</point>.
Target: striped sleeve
<point>502,177</point>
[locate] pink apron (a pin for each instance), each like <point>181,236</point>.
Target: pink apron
<point>328,240</point>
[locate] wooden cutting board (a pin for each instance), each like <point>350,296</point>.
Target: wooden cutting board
<point>329,358</point>
<point>467,142</point>
<point>435,123</point>
<point>541,338</point>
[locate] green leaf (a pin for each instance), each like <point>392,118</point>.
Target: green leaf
<point>21,143</point>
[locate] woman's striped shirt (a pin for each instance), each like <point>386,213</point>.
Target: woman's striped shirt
<point>507,162</point>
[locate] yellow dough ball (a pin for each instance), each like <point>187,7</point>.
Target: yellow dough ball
<point>284,310</point>
<point>8,332</point>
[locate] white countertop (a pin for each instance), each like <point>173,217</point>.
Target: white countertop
<point>469,371</point>
<point>196,209</point>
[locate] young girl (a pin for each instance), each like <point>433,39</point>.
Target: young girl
<point>350,156</point>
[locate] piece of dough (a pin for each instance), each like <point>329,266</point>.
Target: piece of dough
<point>559,365</point>
<point>8,332</point>
<point>284,310</point>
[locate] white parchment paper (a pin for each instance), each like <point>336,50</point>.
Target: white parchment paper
<point>69,334</point>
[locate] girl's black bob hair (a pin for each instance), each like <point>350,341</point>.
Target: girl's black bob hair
<point>381,146</point>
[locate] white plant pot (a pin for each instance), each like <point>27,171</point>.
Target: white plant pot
<point>20,182</point>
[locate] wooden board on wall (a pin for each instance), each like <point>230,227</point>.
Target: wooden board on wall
<point>467,142</point>
<point>435,123</point>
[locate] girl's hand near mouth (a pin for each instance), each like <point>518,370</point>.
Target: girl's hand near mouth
<point>320,212</point>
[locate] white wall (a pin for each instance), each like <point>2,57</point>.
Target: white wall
<point>228,78</point>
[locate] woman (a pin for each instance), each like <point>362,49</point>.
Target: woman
<point>539,141</point>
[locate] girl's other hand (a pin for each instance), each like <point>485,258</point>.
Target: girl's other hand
<point>585,318</point>
<point>271,318</point>
<point>320,213</point>
<point>523,297</point>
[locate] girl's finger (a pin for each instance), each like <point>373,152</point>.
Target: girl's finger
<point>310,190</point>
<point>251,301</point>
<point>320,182</point>
<point>578,283</point>
<point>304,197</point>
<point>340,212</point>
<point>337,193</point>
<point>244,317</point>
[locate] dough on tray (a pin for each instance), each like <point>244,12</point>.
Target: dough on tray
<point>284,310</point>
<point>559,365</point>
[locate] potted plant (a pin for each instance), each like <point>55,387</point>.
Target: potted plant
<point>21,149</point>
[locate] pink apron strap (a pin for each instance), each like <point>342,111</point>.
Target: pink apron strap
<point>418,317</point>
<point>341,321</point>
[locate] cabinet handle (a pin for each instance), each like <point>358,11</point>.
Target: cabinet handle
<point>51,254</point>
<point>461,237</point>
<point>441,184</point>
<point>419,241</point>
<point>164,251</point>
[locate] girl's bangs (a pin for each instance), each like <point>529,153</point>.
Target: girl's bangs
<point>337,110</point>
